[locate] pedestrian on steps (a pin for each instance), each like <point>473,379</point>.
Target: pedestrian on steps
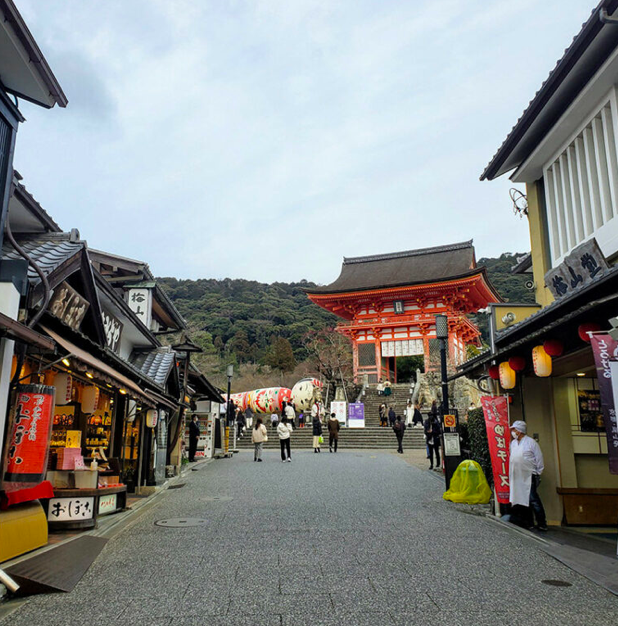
<point>258,437</point>
<point>417,420</point>
<point>399,428</point>
<point>274,420</point>
<point>290,413</point>
<point>409,412</point>
<point>317,432</point>
<point>284,430</point>
<point>382,414</point>
<point>333,432</point>
<point>392,416</point>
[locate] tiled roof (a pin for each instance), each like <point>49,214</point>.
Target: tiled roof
<point>48,251</point>
<point>155,364</point>
<point>399,268</point>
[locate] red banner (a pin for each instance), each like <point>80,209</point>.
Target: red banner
<point>605,348</point>
<point>496,412</point>
<point>28,442</point>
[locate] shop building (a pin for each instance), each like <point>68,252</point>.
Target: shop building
<point>564,149</point>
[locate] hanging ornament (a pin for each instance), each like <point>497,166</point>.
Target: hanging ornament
<point>90,399</point>
<point>517,363</point>
<point>508,378</point>
<point>494,372</point>
<point>64,388</point>
<point>584,329</point>
<point>553,347</point>
<point>152,416</point>
<point>541,362</point>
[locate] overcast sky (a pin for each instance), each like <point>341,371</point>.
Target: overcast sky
<point>267,139</point>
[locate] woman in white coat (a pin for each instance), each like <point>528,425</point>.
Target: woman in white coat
<point>284,430</point>
<point>258,437</point>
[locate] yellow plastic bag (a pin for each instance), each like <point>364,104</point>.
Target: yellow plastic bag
<point>468,485</point>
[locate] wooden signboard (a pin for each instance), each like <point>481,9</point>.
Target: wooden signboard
<point>67,305</point>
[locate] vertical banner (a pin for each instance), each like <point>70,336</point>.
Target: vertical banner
<point>29,437</point>
<point>605,348</point>
<point>356,415</point>
<point>339,409</point>
<point>496,412</point>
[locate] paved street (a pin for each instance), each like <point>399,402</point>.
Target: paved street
<point>353,538</point>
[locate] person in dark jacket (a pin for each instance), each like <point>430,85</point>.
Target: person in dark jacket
<point>433,432</point>
<point>194,437</point>
<point>417,418</point>
<point>333,432</point>
<point>317,432</point>
<point>241,422</point>
<point>399,428</point>
<point>392,416</point>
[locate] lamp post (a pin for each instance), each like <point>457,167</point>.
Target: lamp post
<point>452,456</point>
<point>229,417</point>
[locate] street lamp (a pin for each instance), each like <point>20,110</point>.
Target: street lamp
<point>453,458</point>
<point>229,413</point>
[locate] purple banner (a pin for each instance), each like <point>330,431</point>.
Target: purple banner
<point>356,415</point>
<point>605,349</point>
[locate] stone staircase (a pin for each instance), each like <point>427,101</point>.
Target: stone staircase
<point>369,438</point>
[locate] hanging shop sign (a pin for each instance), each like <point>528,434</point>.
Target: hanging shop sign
<point>405,347</point>
<point>604,348</point>
<point>398,307</point>
<point>579,268</point>
<point>541,361</point>
<point>140,302</point>
<point>29,439</point>
<point>64,388</point>
<point>67,305</point>
<point>113,330</point>
<point>356,415</point>
<point>496,412</point>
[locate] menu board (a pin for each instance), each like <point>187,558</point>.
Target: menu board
<point>590,416</point>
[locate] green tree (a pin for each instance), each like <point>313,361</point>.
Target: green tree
<point>280,355</point>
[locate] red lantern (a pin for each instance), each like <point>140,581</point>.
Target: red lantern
<point>584,329</point>
<point>553,347</point>
<point>517,363</point>
<point>494,372</point>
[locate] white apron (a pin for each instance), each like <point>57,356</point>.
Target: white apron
<point>409,415</point>
<point>520,476</point>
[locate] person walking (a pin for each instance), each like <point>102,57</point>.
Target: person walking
<point>240,423</point>
<point>194,437</point>
<point>525,468</point>
<point>392,416</point>
<point>290,413</point>
<point>249,417</point>
<point>333,432</point>
<point>417,420</point>
<point>399,428</point>
<point>259,436</point>
<point>284,430</point>
<point>274,420</point>
<point>433,431</point>
<point>317,432</point>
<point>380,388</point>
<point>409,413</point>
<point>382,411</point>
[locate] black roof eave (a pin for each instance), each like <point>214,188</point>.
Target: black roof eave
<point>556,80</point>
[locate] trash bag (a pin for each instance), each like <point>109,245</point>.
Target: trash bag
<point>468,485</point>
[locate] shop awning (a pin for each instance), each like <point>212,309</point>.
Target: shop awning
<point>100,366</point>
<point>15,330</point>
<point>160,399</point>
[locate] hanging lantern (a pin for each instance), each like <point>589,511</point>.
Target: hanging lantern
<point>508,378</point>
<point>553,347</point>
<point>517,363</point>
<point>152,415</point>
<point>541,362</point>
<point>584,329</point>
<point>494,372</point>
<point>131,411</point>
<point>90,399</point>
<point>64,387</point>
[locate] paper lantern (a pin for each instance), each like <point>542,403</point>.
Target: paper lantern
<point>131,411</point>
<point>494,372</point>
<point>508,378</point>
<point>152,415</point>
<point>517,363</point>
<point>553,347</point>
<point>541,362</point>
<point>584,329</point>
<point>64,388</point>
<point>90,399</point>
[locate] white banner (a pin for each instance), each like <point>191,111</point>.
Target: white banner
<point>406,347</point>
<point>340,410</point>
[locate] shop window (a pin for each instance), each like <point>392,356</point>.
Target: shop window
<point>589,416</point>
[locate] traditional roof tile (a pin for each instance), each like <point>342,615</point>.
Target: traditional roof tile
<point>156,364</point>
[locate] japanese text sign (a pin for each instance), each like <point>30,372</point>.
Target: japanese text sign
<point>68,306</point>
<point>113,330</point>
<point>356,415</point>
<point>496,412</point>
<point>70,509</point>
<point>29,438</point>
<point>579,268</point>
<point>604,349</point>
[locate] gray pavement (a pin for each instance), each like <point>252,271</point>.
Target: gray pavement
<point>354,538</point>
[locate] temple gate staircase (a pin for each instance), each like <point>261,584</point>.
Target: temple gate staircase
<point>369,438</point>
